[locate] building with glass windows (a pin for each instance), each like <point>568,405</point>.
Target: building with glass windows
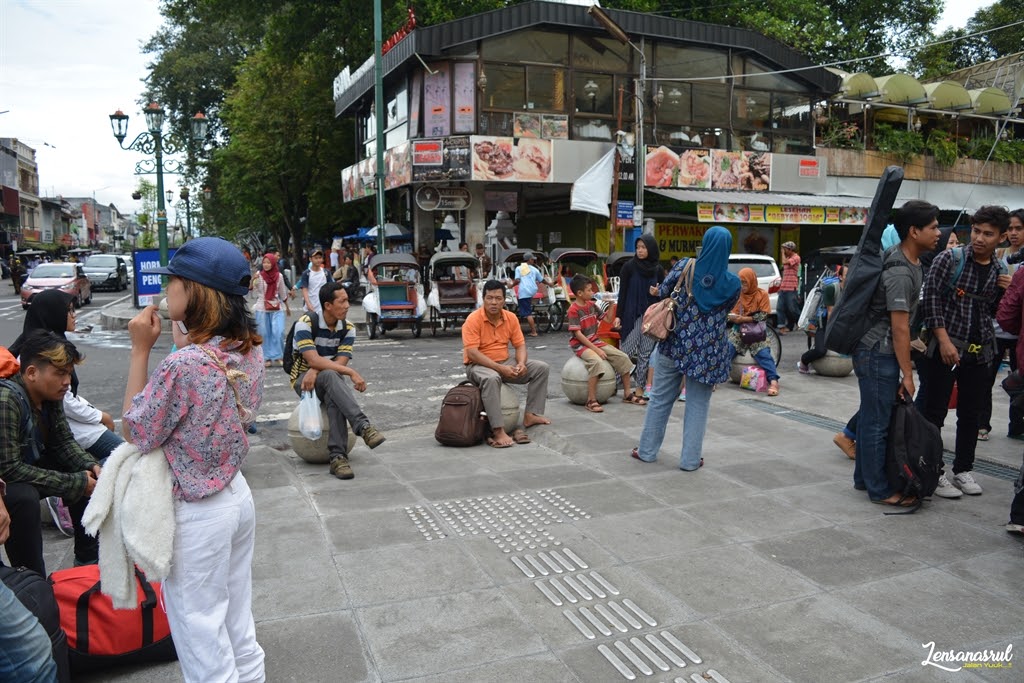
<point>508,110</point>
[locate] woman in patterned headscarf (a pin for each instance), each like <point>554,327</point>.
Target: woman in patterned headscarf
<point>696,349</point>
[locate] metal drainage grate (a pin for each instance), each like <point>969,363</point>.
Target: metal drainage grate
<point>981,465</point>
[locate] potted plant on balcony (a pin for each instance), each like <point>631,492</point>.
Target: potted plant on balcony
<point>943,148</point>
<point>902,144</point>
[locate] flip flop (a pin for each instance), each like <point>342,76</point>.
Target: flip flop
<point>494,444</point>
<point>773,389</point>
<point>635,400</point>
<point>594,407</point>
<point>520,437</point>
<point>895,501</point>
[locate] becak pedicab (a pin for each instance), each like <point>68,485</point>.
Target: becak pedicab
<point>612,270</point>
<point>395,295</point>
<point>545,306</point>
<point>453,288</point>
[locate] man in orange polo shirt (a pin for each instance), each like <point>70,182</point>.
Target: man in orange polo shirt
<point>486,335</point>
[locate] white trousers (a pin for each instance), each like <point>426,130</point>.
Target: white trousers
<point>208,594</point>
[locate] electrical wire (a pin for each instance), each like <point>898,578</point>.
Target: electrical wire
<point>894,53</point>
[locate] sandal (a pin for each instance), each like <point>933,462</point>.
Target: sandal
<point>699,465</point>
<point>635,400</point>
<point>494,444</point>
<point>635,453</point>
<point>520,437</point>
<point>896,500</point>
<point>983,434</point>
<point>594,407</point>
<point>773,388</point>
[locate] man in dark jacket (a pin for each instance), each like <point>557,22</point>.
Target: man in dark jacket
<point>38,454</point>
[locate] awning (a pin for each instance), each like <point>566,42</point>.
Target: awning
<point>948,95</point>
<point>858,86</point>
<point>901,89</point>
<point>990,101</point>
<point>761,198</point>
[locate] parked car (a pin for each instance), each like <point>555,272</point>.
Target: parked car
<point>67,277</point>
<point>768,276</point>
<point>107,270</point>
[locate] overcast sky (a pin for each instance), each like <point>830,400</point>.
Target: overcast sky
<point>65,65</point>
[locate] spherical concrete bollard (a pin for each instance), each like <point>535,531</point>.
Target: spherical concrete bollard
<point>741,361</point>
<point>833,365</point>
<point>574,381</point>
<point>314,451</point>
<point>509,408</point>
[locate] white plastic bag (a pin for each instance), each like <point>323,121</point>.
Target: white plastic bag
<point>309,416</point>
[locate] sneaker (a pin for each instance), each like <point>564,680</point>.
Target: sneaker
<point>371,437</point>
<point>340,468</point>
<point>682,395</point>
<point>802,369</point>
<point>1015,528</point>
<point>947,490</point>
<point>965,482</point>
<point>61,516</point>
<point>846,445</point>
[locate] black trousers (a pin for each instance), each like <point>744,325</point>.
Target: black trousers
<point>974,384</point>
<point>24,546</point>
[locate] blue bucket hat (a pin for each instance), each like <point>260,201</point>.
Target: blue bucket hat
<point>210,261</point>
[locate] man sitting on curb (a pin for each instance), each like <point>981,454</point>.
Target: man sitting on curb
<point>321,359</point>
<point>486,335</point>
<point>38,454</point>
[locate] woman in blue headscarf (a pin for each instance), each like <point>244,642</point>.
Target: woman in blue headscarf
<point>697,349</point>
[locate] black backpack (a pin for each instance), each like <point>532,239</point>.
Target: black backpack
<point>463,421</point>
<point>850,319</point>
<point>289,353</point>
<point>913,456</point>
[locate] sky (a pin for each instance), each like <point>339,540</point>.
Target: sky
<point>66,65</point>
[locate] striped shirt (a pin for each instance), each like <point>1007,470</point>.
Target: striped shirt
<point>583,317</point>
<point>790,274</point>
<point>328,343</point>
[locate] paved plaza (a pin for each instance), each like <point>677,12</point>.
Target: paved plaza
<point>567,560</point>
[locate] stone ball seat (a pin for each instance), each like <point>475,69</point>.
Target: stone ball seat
<point>314,451</point>
<point>575,377</point>
<point>833,365</point>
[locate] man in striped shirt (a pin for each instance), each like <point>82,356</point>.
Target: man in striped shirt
<point>788,311</point>
<point>323,348</point>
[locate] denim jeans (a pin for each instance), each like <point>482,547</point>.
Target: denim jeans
<point>787,310</point>
<point>208,593</point>
<point>878,376</point>
<point>764,359</point>
<point>270,325</point>
<point>25,650</point>
<point>664,395</point>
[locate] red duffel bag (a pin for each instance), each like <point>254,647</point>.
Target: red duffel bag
<point>100,636</point>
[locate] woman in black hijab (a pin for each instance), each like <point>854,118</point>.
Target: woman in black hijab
<point>639,274</point>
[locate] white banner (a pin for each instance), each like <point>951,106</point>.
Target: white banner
<point>592,191</point>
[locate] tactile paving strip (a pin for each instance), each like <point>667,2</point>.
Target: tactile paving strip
<point>521,518</point>
<point>425,523</point>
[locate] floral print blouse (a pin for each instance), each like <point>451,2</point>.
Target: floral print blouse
<point>188,409</point>
<point>698,343</point>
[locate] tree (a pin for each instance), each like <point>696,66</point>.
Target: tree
<point>1001,41</point>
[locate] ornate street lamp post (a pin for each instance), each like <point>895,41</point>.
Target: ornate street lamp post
<point>184,194</point>
<point>154,141</point>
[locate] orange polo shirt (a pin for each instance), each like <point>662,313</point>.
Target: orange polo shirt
<point>491,339</point>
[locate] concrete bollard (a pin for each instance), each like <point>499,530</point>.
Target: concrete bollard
<point>509,408</point>
<point>833,365</point>
<point>314,451</point>
<point>574,381</point>
<point>741,361</point>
